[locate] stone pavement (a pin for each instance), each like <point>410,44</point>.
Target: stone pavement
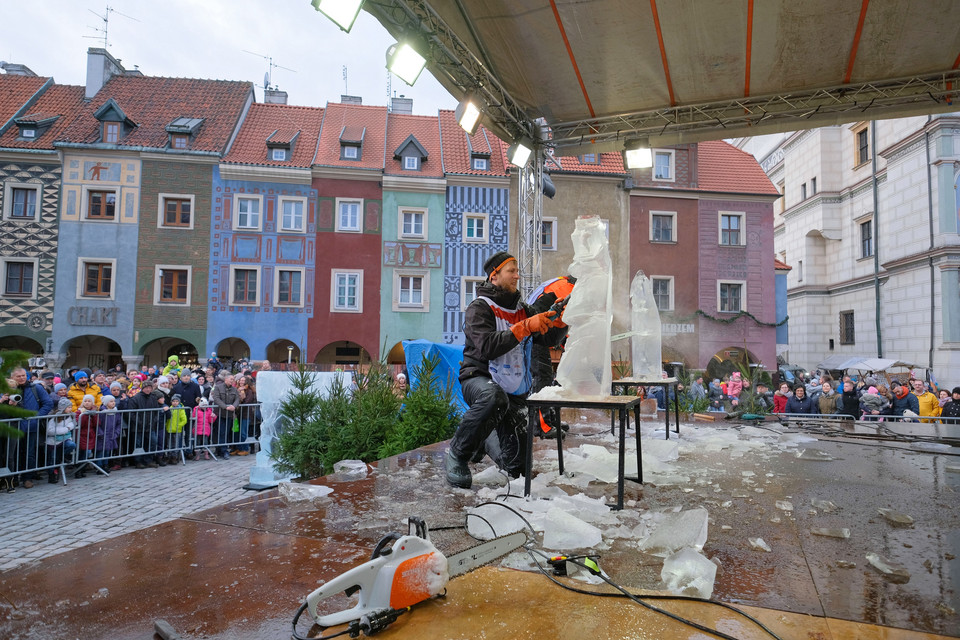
<point>50,519</point>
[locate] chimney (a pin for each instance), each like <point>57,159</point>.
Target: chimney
<point>402,105</point>
<point>274,96</point>
<point>351,99</point>
<point>101,66</point>
<point>14,69</point>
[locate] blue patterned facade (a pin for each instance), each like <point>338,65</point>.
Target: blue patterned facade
<point>462,259</point>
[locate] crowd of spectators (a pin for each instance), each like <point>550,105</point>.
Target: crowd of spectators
<point>144,418</point>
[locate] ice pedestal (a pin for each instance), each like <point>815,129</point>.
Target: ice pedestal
<point>272,388</point>
<point>645,325</point>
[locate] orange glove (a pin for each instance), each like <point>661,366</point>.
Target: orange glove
<point>539,323</point>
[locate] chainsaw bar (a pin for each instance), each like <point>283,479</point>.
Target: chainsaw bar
<point>475,557</point>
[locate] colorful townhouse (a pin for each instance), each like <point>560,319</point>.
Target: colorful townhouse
<point>476,216</point>
<point>411,291</point>
<point>33,112</point>
<point>347,173</point>
<point>263,242</point>
<point>137,177</point>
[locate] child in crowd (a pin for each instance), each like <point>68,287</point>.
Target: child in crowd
<point>88,419</point>
<point>204,416</point>
<point>108,430</point>
<point>176,421</point>
<point>59,437</point>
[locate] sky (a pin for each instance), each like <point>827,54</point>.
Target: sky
<point>210,39</point>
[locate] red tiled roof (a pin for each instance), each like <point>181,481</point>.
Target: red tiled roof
<point>779,265</point>
<point>284,136</point>
<point>61,100</point>
<point>426,130</point>
<point>456,151</point>
<point>262,120</point>
<point>610,163</point>
<point>16,91</point>
<point>722,167</point>
<point>356,117</point>
<point>153,103</point>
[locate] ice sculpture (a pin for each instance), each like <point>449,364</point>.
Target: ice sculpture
<point>585,369</point>
<point>645,319</point>
<point>272,388</point>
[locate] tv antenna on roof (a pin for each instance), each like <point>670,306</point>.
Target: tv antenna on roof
<point>106,25</point>
<point>271,65</point>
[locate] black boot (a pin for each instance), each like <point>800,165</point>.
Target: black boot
<point>458,473</point>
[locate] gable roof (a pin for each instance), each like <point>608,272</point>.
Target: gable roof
<point>724,168</point>
<point>154,102</point>
<point>276,123</point>
<point>352,122</point>
<point>423,132</point>
<point>60,100</point>
<point>457,148</point>
<point>16,92</point>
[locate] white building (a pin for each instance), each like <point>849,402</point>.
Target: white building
<point>869,222</point>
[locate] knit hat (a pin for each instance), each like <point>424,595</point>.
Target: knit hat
<point>115,385</point>
<point>59,386</point>
<point>203,402</point>
<point>80,375</point>
<point>956,391</point>
<point>107,398</point>
<point>176,396</point>
<point>495,262</point>
<point>92,399</point>
<point>64,404</point>
<point>872,389</point>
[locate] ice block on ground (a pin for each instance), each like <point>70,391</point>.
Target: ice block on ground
<point>677,531</point>
<point>892,571</point>
<point>564,532</point>
<point>688,572</point>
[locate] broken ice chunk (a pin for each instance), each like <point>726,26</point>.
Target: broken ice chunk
<point>896,518</point>
<point>814,454</point>
<point>830,533</point>
<point>676,531</point>
<point>689,573</point>
<point>662,450</point>
<point>596,461</point>
<point>759,544</point>
<point>491,520</point>
<point>894,572</point>
<point>824,505</point>
<point>297,492</point>
<point>564,531</point>
<point>350,469</point>
<point>490,476</point>
<point>784,505</point>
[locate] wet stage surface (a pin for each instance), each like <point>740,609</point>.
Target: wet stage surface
<point>241,570</point>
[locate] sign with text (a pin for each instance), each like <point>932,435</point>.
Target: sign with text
<point>92,316</point>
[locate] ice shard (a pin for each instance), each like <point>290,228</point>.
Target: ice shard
<point>645,319</point>
<point>585,369</point>
<point>689,573</point>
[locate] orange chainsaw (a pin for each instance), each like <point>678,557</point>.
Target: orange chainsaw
<point>398,577</point>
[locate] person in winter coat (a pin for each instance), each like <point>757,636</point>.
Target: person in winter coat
<point>499,330</point>
<point>109,429</point>
<point>145,419</point>
<point>929,405</point>
<point>848,404</point>
<point>951,409</point>
<point>33,397</point>
<point>780,398</point>
<point>827,400</point>
<point>88,420</point>
<point>204,417</point>
<point>172,370</point>
<point>872,404</point>
<point>247,412</point>
<point>735,385</point>
<point>176,421</point>
<point>903,400</point>
<point>60,437</point>
<point>799,402</point>
<point>81,387</point>
<point>225,398</point>
<point>715,395</point>
<point>188,390</point>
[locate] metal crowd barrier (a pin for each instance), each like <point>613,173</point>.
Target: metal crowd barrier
<point>99,441</point>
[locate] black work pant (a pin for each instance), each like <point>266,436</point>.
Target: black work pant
<point>492,409</point>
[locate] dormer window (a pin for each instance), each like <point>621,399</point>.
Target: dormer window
<point>411,163</point>
<point>349,152</point>
<point>179,141</point>
<point>411,154</point>
<point>33,125</point>
<point>280,144</point>
<point>114,123</point>
<point>480,163</point>
<point>351,142</point>
<point>278,155</point>
<point>111,132</point>
<point>590,158</point>
<point>28,133</point>
<point>182,131</point>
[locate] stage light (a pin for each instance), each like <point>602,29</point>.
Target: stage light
<point>468,113</point>
<point>343,12</point>
<point>519,152</point>
<point>637,154</point>
<point>405,61</point>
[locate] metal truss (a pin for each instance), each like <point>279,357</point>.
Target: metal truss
<point>792,111</point>
<point>530,227</point>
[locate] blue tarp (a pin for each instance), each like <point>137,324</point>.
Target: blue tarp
<point>448,369</point>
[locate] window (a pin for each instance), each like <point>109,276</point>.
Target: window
<point>411,290</point>
<point>413,223</point>
<point>96,278</point>
<point>101,205</point>
<point>291,214</point>
<point>475,227</point>
<point>866,239</point>
<point>662,224</point>
<point>247,215</point>
<point>411,163</point>
<point>799,270</point>
<point>348,215</point>
<point>731,229</point>
<point>173,284</point>
<point>590,158</point>
<point>730,297</point>
<point>663,292</point>
<point>278,155</point>
<point>813,186</point>
<point>862,145</point>
<point>244,285</point>
<point>468,291</point>
<point>24,203</point>
<point>481,164</point>
<point>346,287</point>
<point>289,287</point>
<point>176,211</point>
<point>18,278</point>
<point>111,132</point>
<point>548,234</point>
<point>28,133</point>
<point>846,328</point>
<point>803,191</point>
<point>663,165</point>
<point>349,152</point>
<point>179,141</point>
